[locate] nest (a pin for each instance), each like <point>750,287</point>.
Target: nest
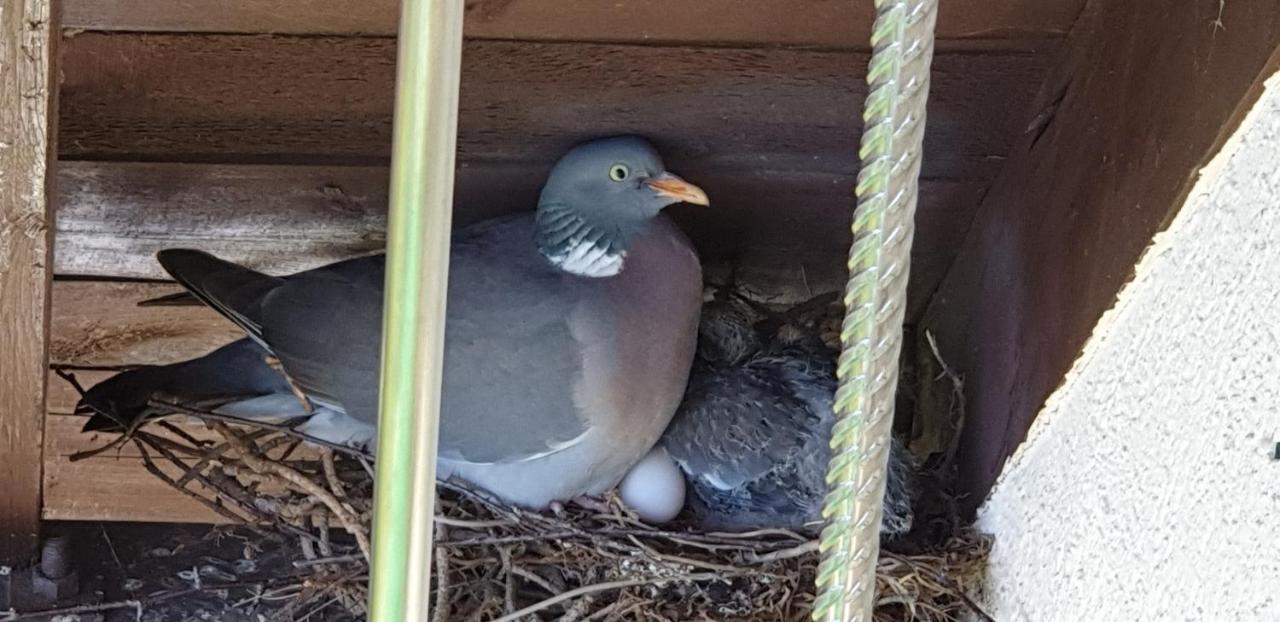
<point>496,562</point>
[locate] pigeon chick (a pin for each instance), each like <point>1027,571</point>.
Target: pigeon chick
<point>752,434</point>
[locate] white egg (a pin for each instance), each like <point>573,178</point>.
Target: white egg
<point>654,488</point>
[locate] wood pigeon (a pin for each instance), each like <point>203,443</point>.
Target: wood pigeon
<point>752,434</point>
<point>570,332</point>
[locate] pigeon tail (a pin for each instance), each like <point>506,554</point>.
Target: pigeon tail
<point>179,299</point>
<point>232,290</point>
<point>235,371</point>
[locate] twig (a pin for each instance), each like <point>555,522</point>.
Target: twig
<point>442,605</point>
<point>492,540</point>
<point>472,524</point>
<point>364,462</point>
<point>214,481</point>
<point>604,612</point>
<point>974,607</point>
<point>725,570</point>
<point>151,467</point>
<point>532,577</point>
<point>603,587</point>
<point>294,477</point>
<point>320,522</point>
<point>275,427</point>
<point>110,546</point>
<point>957,398</point>
<point>116,443</point>
<point>180,433</point>
<point>274,363</point>
<point>331,473</point>
<point>12,616</point>
<point>579,609</point>
<point>956,590</point>
<point>317,610</point>
<point>294,444</point>
<point>759,533</point>
<point>788,553</point>
<point>71,379</point>
<point>320,561</point>
<point>509,587</point>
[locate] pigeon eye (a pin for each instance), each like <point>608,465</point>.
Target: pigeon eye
<point>619,172</point>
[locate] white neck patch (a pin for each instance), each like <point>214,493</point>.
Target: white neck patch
<point>584,258</point>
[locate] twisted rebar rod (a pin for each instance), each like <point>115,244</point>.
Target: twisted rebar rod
<point>875,301</point>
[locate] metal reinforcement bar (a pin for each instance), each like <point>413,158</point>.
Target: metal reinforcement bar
<point>428,66</point>
<point>875,300</point>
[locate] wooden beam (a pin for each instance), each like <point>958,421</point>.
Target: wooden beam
<point>1144,95</point>
<point>27,118</point>
<point>823,23</point>
<point>164,97</point>
<point>97,324</point>
<point>788,231</point>
<point>114,216</point>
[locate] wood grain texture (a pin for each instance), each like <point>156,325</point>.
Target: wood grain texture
<point>109,487</point>
<point>114,216</point>
<point>271,99</point>
<point>828,23</point>
<point>27,105</point>
<point>97,324</point>
<point>787,231</point>
<point>1144,96</point>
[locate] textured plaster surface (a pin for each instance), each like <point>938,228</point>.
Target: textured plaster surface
<point>1147,488</point>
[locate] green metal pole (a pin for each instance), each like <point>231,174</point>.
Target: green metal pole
<point>883,226</point>
<point>422,164</point>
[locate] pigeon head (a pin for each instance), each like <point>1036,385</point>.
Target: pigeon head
<point>600,197</point>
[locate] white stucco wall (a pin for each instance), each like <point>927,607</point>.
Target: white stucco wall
<point>1146,489</point>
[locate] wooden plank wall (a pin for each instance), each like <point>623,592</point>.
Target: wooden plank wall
<point>768,132</point>
<point>257,133</point>
<point>819,23</point>
<point>1125,122</point>
<point>28,39</point>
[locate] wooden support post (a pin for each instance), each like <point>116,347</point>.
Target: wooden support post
<point>1145,95</point>
<point>27,117</point>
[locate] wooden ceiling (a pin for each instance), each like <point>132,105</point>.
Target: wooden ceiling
<point>814,23</point>
<point>754,99</point>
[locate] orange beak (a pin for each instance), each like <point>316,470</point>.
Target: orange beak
<point>673,187</point>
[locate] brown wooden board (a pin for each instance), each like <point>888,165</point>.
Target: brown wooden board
<point>27,129</point>
<point>1144,96</point>
<point>97,324</point>
<point>329,99</point>
<point>788,231</point>
<point>112,485</point>
<point>829,23</point>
